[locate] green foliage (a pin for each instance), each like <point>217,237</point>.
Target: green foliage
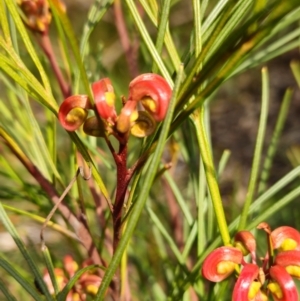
<point>172,215</point>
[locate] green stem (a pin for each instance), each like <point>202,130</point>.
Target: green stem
<point>211,176</point>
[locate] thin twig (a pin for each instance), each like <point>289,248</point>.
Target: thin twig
<point>79,171</point>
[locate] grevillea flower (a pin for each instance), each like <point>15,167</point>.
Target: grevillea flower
<point>74,111</point>
<point>290,260</point>
<point>88,282</point>
<point>256,283</point>
<point>37,15</point>
<point>246,288</point>
<point>286,238</point>
<point>104,97</point>
<point>147,91</point>
<point>245,241</point>
<point>127,116</point>
<point>220,263</point>
<point>282,286</point>
<point>154,93</point>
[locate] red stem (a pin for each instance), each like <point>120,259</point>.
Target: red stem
<point>46,45</point>
<point>123,178</point>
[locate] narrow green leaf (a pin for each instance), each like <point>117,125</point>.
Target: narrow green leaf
<point>276,206</point>
<point>96,12</point>
<point>166,235</point>
<point>295,66</point>
<point>50,267</point>
<point>4,23</point>
<point>147,40</point>
<point>14,66</point>
<point>258,149</point>
<point>274,140</point>
<point>278,47</point>
<point>179,198</point>
<point>197,27</point>
<point>6,292</point>
<point>19,24</point>
<point>210,173</point>
<point>169,43</point>
<point>162,27</point>
<point>21,280</point>
<point>190,241</point>
<point>30,261</point>
<point>41,220</point>
<point>223,161</point>
<point>74,47</point>
<point>237,15</point>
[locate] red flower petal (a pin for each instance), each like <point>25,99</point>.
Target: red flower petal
<point>73,111</point>
<point>153,91</point>
<point>285,282</point>
<point>243,285</point>
<point>247,242</point>
<point>104,99</point>
<point>286,237</point>
<point>218,256</point>
<point>290,260</point>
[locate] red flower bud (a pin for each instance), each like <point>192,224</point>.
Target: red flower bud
<point>73,111</point>
<point>94,127</point>
<point>127,116</point>
<point>220,263</point>
<point>286,238</point>
<point>36,14</point>
<point>283,288</point>
<point>154,93</point>
<point>105,99</point>
<point>245,241</point>
<point>70,265</point>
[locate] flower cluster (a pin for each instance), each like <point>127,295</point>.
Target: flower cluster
<point>147,103</point>
<point>37,15</point>
<point>254,282</point>
<point>88,282</point>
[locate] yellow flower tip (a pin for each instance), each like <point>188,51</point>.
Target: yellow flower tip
<point>92,289</point>
<point>75,266</point>
<point>241,247</point>
<point>76,115</point>
<point>76,297</point>
<point>149,104</point>
<point>134,116</point>
<point>110,98</point>
<point>254,289</point>
<point>288,244</point>
<point>60,281</point>
<point>41,25</point>
<point>225,267</point>
<point>263,297</point>
<point>293,270</point>
<point>275,289</point>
